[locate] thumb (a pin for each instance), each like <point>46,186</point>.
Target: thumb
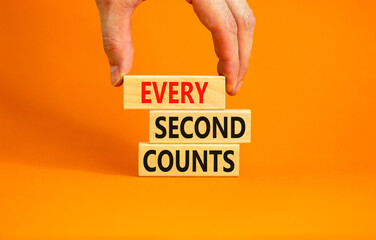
<point>115,18</point>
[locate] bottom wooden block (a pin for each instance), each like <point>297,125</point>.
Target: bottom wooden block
<point>188,159</point>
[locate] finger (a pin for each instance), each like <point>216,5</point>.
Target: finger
<point>116,34</point>
<point>217,17</point>
<point>246,23</point>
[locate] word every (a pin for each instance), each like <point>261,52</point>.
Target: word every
<point>174,88</point>
<point>174,92</point>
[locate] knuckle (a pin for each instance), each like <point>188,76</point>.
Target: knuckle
<point>110,44</point>
<point>248,20</point>
<point>231,25</point>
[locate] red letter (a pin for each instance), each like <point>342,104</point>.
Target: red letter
<point>144,92</point>
<point>201,91</point>
<point>157,96</point>
<point>186,92</point>
<point>173,92</point>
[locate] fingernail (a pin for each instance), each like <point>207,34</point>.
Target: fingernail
<point>230,87</point>
<point>238,87</point>
<point>115,75</point>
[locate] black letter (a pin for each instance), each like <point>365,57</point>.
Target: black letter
<point>185,168</point>
<point>172,127</point>
<point>229,161</point>
<point>183,132</point>
<point>146,166</point>
<point>159,126</point>
<point>171,158</point>
<point>216,124</point>
<point>215,159</point>
<point>203,164</point>
<point>233,134</point>
<point>197,127</point>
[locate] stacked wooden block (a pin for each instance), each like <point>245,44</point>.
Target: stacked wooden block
<point>191,133</point>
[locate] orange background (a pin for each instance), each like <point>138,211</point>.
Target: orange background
<point>68,150</point>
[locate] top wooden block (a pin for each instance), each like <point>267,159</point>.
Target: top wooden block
<point>174,92</point>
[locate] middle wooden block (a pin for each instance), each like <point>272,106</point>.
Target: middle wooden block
<point>200,126</point>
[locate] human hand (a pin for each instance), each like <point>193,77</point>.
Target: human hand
<point>231,23</point>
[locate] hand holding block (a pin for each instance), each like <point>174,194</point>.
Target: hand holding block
<point>174,92</point>
<point>188,159</point>
<point>200,126</point>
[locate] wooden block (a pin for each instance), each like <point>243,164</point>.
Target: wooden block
<point>200,126</point>
<point>188,159</point>
<point>174,92</point>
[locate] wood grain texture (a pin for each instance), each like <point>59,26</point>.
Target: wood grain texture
<point>200,126</point>
<point>161,159</point>
<point>212,98</point>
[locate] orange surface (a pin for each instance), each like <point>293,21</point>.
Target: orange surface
<point>68,151</point>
